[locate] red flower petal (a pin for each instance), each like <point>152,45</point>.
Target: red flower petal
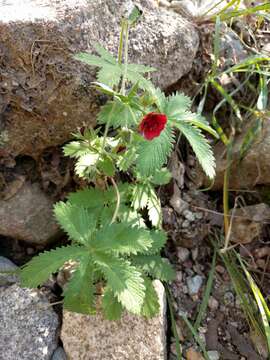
<point>152,124</point>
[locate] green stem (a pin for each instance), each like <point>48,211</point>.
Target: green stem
<point>118,198</point>
<point>125,58</point>
<point>120,48</point>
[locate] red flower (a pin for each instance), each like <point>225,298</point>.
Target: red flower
<point>152,124</point>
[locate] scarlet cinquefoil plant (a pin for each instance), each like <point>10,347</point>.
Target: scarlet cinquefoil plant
<point>114,226</point>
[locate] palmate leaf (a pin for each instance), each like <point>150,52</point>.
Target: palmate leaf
<point>155,266</point>
<point>151,303</point>
<point>79,292</point>
<point>200,146</point>
<point>122,239</point>
<point>76,221</point>
<point>152,155</point>
<point>125,281</point>
<point>119,114</point>
<point>40,267</point>
<point>110,72</point>
<point>112,309</point>
<point>96,198</point>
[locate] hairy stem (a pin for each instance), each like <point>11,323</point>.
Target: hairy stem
<point>120,48</point>
<point>117,200</point>
<point>125,58</point>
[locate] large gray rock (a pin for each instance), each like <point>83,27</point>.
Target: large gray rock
<point>6,271</point>
<point>28,216</point>
<point>93,338</point>
<point>28,325</point>
<point>45,93</point>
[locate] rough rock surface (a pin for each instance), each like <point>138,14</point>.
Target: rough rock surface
<point>45,93</point>
<point>28,216</point>
<point>28,327</point>
<point>6,265</point>
<point>91,337</point>
<point>248,222</point>
<point>252,170</point>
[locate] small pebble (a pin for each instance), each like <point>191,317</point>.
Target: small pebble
<point>185,224</point>
<point>179,276</point>
<point>228,298</point>
<point>189,215</point>
<point>173,348</point>
<point>184,289</point>
<point>194,253</point>
<point>213,355</point>
<point>192,354</point>
<point>220,269</point>
<point>213,303</point>
<point>194,284</point>
<point>238,303</point>
<point>199,215</point>
<point>182,254</point>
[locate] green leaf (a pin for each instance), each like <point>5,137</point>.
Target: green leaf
<point>143,195</point>
<point>135,77</point>
<point>177,105</point>
<point>139,68</point>
<point>154,208</point>
<point>95,199</point>
<point>79,292</point>
<point>118,114</point>
<point>40,267</point>
<point>112,308</point>
<point>134,16</point>
<point>155,266</point>
<point>199,122</point>
<point>200,146</point>
<point>76,221</point>
<point>151,302</point>
<point>159,238</point>
<point>91,59</point>
<point>75,149</point>
<point>123,239</point>
<point>85,166</point>
<point>126,159</point>
<point>105,54</point>
<point>89,198</point>
<point>106,165</point>
<point>111,72</point>
<point>110,75</point>
<point>159,99</point>
<point>140,196</point>
<point>161,177</point>
<point>152,155</point>
<point>125,281</point>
